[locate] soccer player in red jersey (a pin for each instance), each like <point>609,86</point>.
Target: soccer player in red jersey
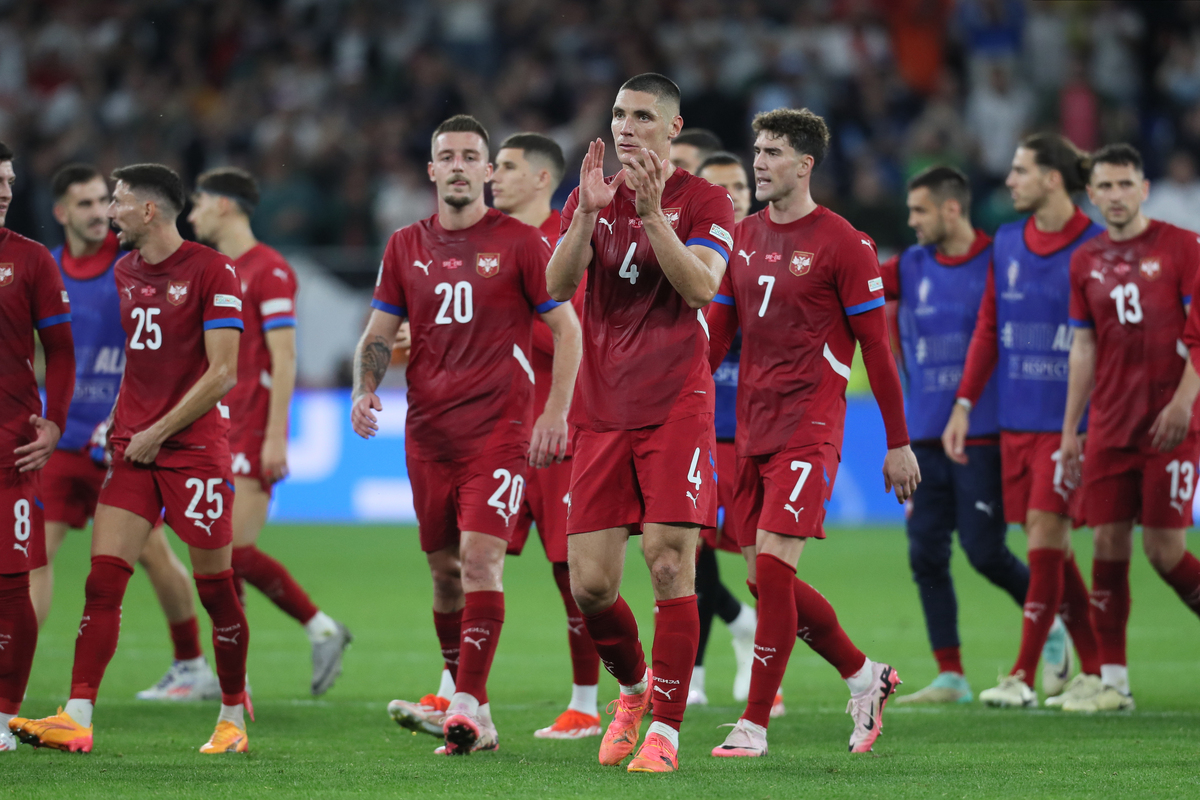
<point>181,308</point>
<point>471,281</point>
<point>222,206</point>
<point>653,242</point>
<point>528,169</point>
<point>72,478</point>
<point>31,298</point>
<point>1131,287</point>
<point>808,289</point>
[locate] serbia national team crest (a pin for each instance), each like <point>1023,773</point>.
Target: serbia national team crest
<point>177,292</point>
<point>801,263</point>
<point>1150,269</point>
<point>487,264</point>
<point>7,271</point>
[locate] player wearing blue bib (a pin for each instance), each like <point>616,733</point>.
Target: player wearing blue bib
<point>938,285</point>
<point>1023,335</point>
<point>71,480</point>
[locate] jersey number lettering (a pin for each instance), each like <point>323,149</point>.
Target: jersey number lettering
<point>804,468</point>
<point>22,526</point>
<point>769,281</point>
<point>460,295</point>
<point>1183,482</point>
<point>628,268</point>
<point>144,317</point>
<point>213,497</point>
<point>514,485</point>
<point>1129,303</point>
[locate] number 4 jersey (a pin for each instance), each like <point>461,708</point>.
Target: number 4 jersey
<point>165,310</point>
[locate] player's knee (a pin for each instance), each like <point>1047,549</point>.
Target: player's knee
<point>666,570</point>
<point>593,593</point>
<point>926,563</point>
<point>1163,553</point>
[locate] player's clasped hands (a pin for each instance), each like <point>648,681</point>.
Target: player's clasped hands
<point>362,420</point>
<point>901,472</point>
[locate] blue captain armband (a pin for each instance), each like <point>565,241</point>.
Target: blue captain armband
<point>861,308</point>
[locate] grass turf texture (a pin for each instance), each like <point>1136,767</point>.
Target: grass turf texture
<point>375,579</point>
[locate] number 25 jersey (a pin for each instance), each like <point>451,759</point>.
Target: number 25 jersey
<point>165,310</point>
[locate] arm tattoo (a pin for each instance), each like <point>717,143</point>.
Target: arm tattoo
<point>376,355</point>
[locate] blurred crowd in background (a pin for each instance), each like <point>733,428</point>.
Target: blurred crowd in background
<point>331,102</point>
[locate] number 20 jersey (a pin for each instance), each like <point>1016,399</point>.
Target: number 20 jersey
<point>165,310</point>
<point>470,297</point>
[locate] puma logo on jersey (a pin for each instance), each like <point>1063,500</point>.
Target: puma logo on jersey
<point>1100,600</point>
<point>607,224</point>
<point>867,242</point>
<point>424,266</point>
<point>83,624</point>
<point>576,630</point>
<point>987,508</point>
<point>24,548</point>
<point>763,659</point>
<point>1177,505</point>
<point>665,692</point>
<point>279,273</point>
<point>805,634</point>
<point>207,528</point>
<point>507,515</point>
<point>241,464</point>
<point>795,511</point>
<point>695,498</point>
<point>1033,611</point>
<point>1098,275</point>
<point>746,255</point>
<point>477,642</point>
<point>128,290</point>
<point>229,639</point>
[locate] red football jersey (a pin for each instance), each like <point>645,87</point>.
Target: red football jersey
<point>165,310</point>
<point>268,302</point>
<point>645,352</point>
<point>31,297</point>
<point>1133,293</point>
<point>794,287</point>
<point>470,297</point>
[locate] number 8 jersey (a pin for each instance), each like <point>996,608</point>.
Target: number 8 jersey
<point>470,297</point>
<point>165,310</point>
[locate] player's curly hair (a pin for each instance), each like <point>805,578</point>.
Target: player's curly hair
<point>806,132</point>
<point>157,179</point>
<point>236,184</point>
<point>1057,152</point>
<point>461,123</point>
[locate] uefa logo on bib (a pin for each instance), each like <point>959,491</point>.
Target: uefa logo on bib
<point>177,292</point>
<point>487,264</point>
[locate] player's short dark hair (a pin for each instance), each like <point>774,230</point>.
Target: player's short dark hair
<point>232,182</point>
<point>721,158</point>
<point>461,123</point>
<point>70,175</point>
<point>1057,152</point>
<point>540,146</point>
<point>662,87</point>
<point>702,139</point>
<point>157,179</point>
<point>6,153</point>
<point>806,132</point>
<point>944,183</point>
<point>1120,154</point>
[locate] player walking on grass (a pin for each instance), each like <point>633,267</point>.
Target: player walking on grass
<point>32,298</point>
<point>938,284</point>
<point>653,242</point>
<point>181,309</point>
<point>1022,328</point>
<point>809,290</point>
<point>1131,287</point>
<point>223,204</point>
<point>72,478</point>
<point>470,280</point>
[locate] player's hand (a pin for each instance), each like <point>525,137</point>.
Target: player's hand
<point>362,420</point>
<point>403,337</point>
<point>594,194</point>
<point>901,472</point>
<point>1171,426</point>
<point>143,447</point>
<point>273,459</point>
<point>954,437</point>
<point>647,177</point>
<point>35,454</point>
<point>1070,457</point>
<point>548,443</point>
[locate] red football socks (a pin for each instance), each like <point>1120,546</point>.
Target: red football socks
<point>231,633</point>
<point>1075,614</point>
<point>1185,580</point>
<point>482,619</point>
<point>1041,602</point>
<point>1110,608</point>
<point>774,637</point>
<point>676,637</point>
<point>615,634</point>
<point>949,659</point>
<point>273,580</point>
<point>185,636</point>
<point>100,626</point>
<point>449,633</point>
<point>18,640</point>
<point>585,664</point>
<point>817,624</point>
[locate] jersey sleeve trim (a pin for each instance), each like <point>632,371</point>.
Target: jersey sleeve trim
<point>279,322</point>
<point>549,305</point>
<point>711,244</point>
<point>57,319</point>
<point>724,300</point>
<point>389,308</point>
<point>1079,323</point>
<point>224,322</point>
<point>862,308</point>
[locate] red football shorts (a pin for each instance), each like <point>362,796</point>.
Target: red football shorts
<point>546,507</point>
<point>247,459</point>
<point>727,536</point>
<point>1033,476</point>
<point>786,492</point>
<point>71,487</point>
<point>197,501</point>
<point>481,494</point>
<point>659,474</point>
<point>22,525</point>
<point>1121,484</point>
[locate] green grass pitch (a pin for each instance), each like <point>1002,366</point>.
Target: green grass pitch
<point>374,579</point>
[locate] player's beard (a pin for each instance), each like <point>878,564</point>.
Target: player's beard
<point>127,240</point>
<point>457,200</point>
